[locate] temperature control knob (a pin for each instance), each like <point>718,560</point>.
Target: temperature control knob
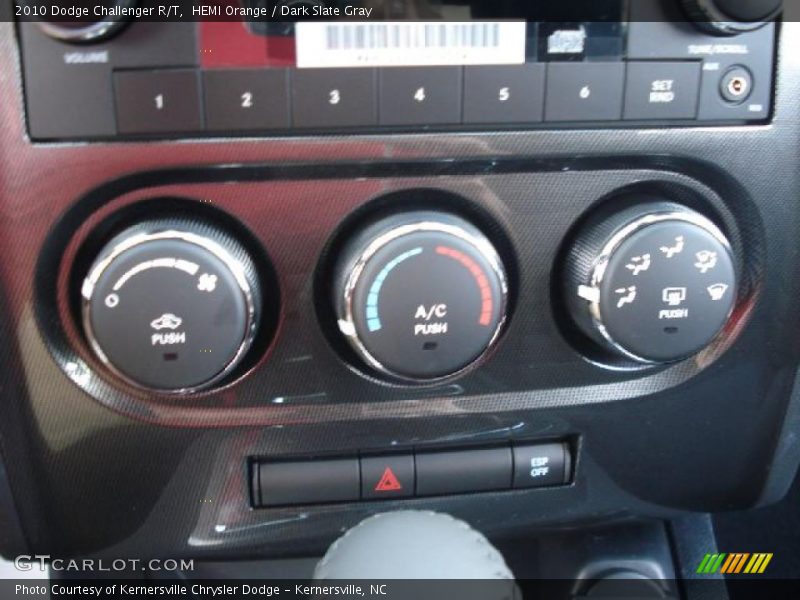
<point>655,283</point>
<point>420,295</point>
<point>171,305</point>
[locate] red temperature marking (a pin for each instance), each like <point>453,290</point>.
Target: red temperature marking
<point>480,278</point>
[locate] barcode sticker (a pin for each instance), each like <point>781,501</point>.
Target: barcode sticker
<point>409,43</point>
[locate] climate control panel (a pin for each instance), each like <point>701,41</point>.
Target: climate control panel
<point>420,296</point>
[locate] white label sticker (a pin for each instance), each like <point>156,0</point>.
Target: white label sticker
<point>409,43</point>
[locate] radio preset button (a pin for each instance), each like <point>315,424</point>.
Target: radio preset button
<point>420,95</point>
<point>246,99</point>
<point>333,97</point>
<point>504,93</point>
<point>584,91</point>
<point>662,90</point>
<point>158,101</point>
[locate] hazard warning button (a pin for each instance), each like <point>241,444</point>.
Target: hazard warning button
<point>387,476</point>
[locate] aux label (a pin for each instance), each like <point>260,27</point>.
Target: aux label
<point>427,314</point>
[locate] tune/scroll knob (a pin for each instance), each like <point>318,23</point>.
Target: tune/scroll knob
<point>729,17</point>
<point>171,305</point>
<point>655,283</point>
<point>420,295</point>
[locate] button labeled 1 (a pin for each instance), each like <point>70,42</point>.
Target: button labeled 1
<point>157,101</point>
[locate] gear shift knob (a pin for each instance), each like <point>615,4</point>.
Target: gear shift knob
<point>414,545</point>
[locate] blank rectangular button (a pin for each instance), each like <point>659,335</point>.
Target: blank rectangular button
<point>246,99</point>
<point>309,482</point>
<point>463,471</point>
<point>158,101</point>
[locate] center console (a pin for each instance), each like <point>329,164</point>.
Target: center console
<point>538,275</point>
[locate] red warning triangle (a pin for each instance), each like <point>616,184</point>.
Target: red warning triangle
<point>388,482</point>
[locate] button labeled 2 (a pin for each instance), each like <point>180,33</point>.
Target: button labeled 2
<point>246,99</point>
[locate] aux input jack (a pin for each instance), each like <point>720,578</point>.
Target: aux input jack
<point>736,85</point>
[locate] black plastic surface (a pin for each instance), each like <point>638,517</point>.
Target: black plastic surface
<point>308,482</point>
<point>463,471</point>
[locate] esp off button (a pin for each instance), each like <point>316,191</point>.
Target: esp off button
<point>541,465</point>
<point>420,295</point>
<point>171,306</point>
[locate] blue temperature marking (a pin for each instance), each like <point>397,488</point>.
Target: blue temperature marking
<point>373,320</point>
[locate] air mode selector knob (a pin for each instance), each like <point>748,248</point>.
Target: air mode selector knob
<point>171,305</point>
<point>654,283</point>
<point>420,295</point>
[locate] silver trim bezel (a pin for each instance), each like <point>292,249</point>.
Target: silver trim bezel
<point>234,265</point>
<point>90,33</point>
<point>345,309</point>
<point>600,264</point>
